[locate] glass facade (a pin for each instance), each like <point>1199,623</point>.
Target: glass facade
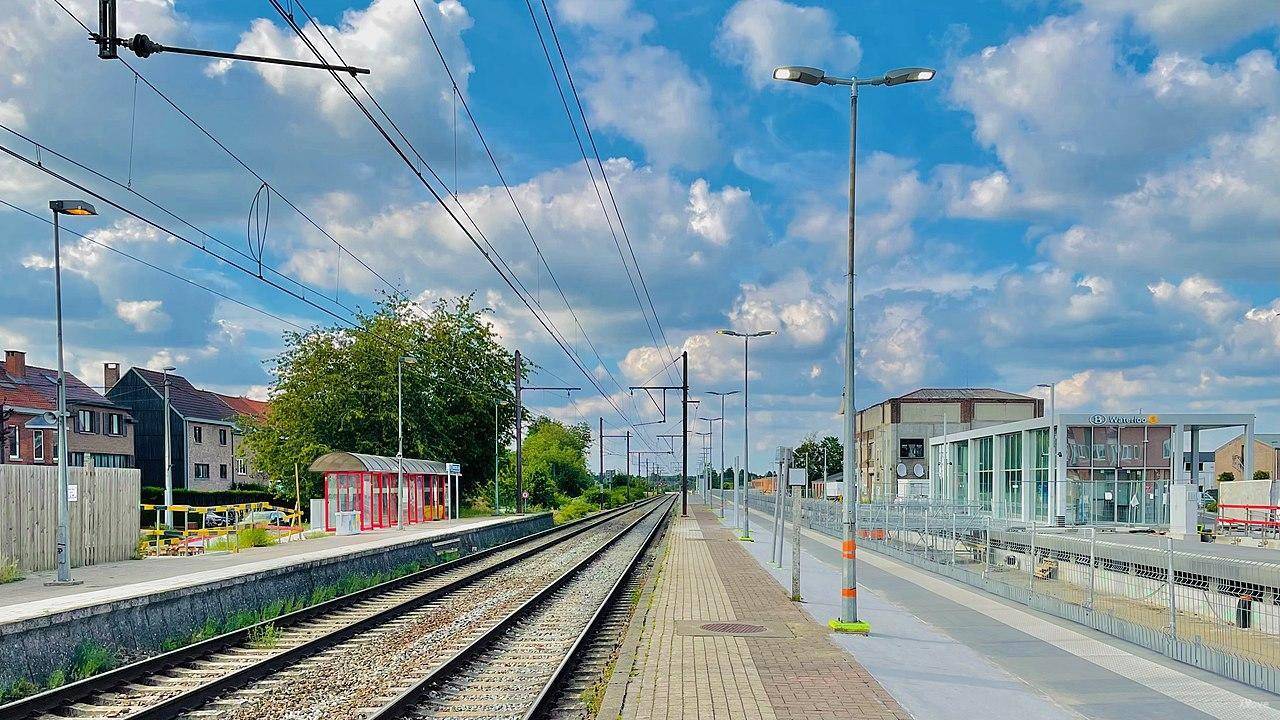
<point>986,472</point>
<point>1040,467</point>
<point>1010,476</point>
<point>1118,474</point>
<point>960,451</point>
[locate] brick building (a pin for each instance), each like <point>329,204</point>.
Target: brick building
<point>99,430</point>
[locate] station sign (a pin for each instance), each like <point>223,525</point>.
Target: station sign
<point>453,468</point>
<point>1101,419</point>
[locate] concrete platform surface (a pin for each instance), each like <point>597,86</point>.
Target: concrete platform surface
<point>947,650</point>
<point>719,639</point>
<point>109,582</point>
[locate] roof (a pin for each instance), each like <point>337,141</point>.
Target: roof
<point>360,462</point>
<point>1272,439</point>
<point>245,406</point>
<point>1205,455</point>
<point>186,399</point>
<point>962,394</point>
<point>38,389</point>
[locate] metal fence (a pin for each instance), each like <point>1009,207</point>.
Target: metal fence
<point>1216,613</point>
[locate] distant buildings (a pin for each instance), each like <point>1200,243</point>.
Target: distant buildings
<point>99,429</point>
<point>1266,457</point>
<point>893,435</point>
<point>203,427</point>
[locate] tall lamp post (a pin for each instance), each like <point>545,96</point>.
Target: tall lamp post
<point>63,207</point>
<point>746,447</point>
<point>1059,496</point>
<point>400,508</point>
<point>168,448</point>
<point>722,396</point>
<point>848,620</point>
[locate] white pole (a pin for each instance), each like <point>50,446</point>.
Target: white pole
<point>400,436</point>
<point>64,504</point>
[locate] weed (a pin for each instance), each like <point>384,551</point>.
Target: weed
<point>9,571</point>
<point>264,636</point>
<point>20,689</point>
<point>90,659</point>
<point>247,538</point>
<point>57,678</point>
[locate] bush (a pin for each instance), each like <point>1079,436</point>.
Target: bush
<point>1261,475</point>
<point>9,571</point>
<point>574,509</point>
<point>246,538</point>
<point>152,495</point>
<point>1226,477</point>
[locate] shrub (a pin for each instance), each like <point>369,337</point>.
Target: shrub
<point>153,495</point>
<point>1261,475</point>
<point>89,660</point>
<point>574,509</point>
<point>9,571</point>
<point>1226,477</point>
<point>246,538</point>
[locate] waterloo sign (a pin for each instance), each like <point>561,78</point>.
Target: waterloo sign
<point>1100,419</point>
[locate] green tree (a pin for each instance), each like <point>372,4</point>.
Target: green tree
<point>812,449</point>
<point>336,390</point>
<point>555,461</point>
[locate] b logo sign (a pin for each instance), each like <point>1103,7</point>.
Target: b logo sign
<point>1098,419</point>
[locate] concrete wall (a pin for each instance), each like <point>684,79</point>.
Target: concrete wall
<point>1244,492</point>
<point>138,627</point>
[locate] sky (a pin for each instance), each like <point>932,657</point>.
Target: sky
<point>1085,195</point>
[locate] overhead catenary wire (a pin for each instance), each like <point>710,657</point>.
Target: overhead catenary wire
<point>436,194</point>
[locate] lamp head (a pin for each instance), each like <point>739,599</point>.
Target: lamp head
<point>409,360</point>
<point>168,368</point>
<point>908,75</point>
<point>72,207</point>
<point>800,74</point>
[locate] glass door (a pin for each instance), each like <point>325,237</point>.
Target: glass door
<point>1104,495</point>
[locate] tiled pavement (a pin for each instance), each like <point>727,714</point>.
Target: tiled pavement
<point>706,576</point>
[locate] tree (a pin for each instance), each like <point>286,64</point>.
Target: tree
<point>336,390</point>
<point>1261,475</point>
<point>555,461</point>
<point>812,448</point>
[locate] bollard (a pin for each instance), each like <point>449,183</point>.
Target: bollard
<point>795,548</point>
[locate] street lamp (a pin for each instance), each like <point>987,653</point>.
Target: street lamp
<point>168,448</point>
<point>403,360</point>
<point>722,396</point>
<point>1059,495</point>
<point>746,449</point>
<point>63,207</point>
<point>848,620</point>
<point>720,419</point>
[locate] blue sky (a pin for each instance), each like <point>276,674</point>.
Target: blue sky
<point>1086,194</point>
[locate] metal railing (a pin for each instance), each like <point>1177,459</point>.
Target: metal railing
<point>1217,613</point>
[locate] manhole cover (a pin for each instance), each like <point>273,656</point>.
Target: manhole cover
<point>735,628</point>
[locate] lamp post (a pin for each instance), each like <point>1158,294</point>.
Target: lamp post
<point>746,447</point>
<point>848,620</point>
<point>168,449</point>
<point>80,208</point>
<point>400,508</point>
<point>1059,495</point>
<point>722,396</point>
<point>710,440</point>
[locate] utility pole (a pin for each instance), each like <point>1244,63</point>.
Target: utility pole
<point>168,451</point>
<point>495,457</point>
<point>683,387</point>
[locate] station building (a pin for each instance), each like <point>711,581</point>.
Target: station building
<point>1080,468</point>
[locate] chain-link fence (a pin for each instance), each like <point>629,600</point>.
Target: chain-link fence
<point>1217,613</point>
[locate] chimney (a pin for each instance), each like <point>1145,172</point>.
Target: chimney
<point>110,375</point>
<point>15,363</point>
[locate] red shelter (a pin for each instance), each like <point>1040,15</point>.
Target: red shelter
<point>366,485</point>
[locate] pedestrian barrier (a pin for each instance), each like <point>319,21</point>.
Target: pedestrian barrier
<point>1216,613</point>
<point>188,540</point>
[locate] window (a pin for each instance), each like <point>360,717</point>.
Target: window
<point>911,448</point>
<point>222,471</point>
<point>202,471</point>
<point>1011,472</point>
<point>37,444</point>
<point>197,433</point>
<point>86,421</point>
<point>985,474</point>
<point>11,437</point>
<point>222,436</point>
<point>242,467</point>
<point>115,424</point>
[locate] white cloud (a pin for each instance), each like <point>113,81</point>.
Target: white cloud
<point>760,35</point>
<point>143,315</point>
<point>1194,24</point>
<point>721,216</point>
<point>895,352</point>
<point>805,315</point>
<point>1197,295</point>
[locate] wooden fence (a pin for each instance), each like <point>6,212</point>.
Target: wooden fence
<point>104,517</point>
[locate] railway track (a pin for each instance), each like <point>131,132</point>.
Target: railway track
<point>523,665</point>
<point>379,637</point>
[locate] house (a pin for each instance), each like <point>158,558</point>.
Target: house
<point>255,410</point>
<point>99,429</point>
<point>1266,456</point>
<point>202,428</point>
<point>892,435</point>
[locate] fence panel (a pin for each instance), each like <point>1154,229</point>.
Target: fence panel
<point>103,523</point>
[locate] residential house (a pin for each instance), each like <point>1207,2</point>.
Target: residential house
<point>202,429</point>
<point>892,435</point>
<point>255,410</point>
<point>99,429</point>
<point>1266,456</point>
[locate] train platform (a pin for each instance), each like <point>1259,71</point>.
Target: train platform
<point>715,636</point>
<point>113,583</point>
<point>946,650</point>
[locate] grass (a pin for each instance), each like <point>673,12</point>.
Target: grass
<point>9,571</point>
<point>90,659</point>
<point>247,538</point>
<point>264,636</point>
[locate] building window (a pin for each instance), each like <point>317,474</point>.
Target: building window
<point>202,471</point>
<point>986,471</point>
<point>37,445</point>
<point>15,448</point>
<point>222,436</point>
<point>222,471</point>
<point>115,424</point>
<point>1012,476</point>
<point>86,421</point>
<point>197,433</point>
<point>242,467</point>
<point>911,448</point>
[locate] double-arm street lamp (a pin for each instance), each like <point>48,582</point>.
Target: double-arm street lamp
<point>848,620</point>
<point>722,396</point>
<point>59,208</point>
<point>746,447</point>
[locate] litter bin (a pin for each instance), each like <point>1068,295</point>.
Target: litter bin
<point>347,523</point>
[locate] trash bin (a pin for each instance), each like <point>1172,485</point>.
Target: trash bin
<point>347,523</point>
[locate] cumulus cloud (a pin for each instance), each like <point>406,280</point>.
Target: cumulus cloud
<point>721,216</point>
<point>760,35</point>
<point>804,314</point>
<point>1193,24</point>
<point>143,315</point>
<point>895,351</point>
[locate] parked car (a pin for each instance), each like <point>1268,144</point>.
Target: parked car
<point>213,518</point>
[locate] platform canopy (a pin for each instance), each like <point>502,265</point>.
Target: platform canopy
<point>360,462</point>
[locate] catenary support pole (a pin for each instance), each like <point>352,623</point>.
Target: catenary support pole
<point>684,435</point>
<point>519,456</point>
